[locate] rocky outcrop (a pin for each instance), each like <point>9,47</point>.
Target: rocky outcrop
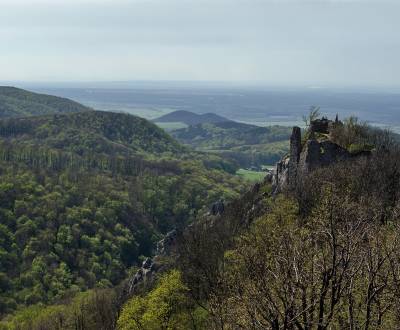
<point>217,208</point>
<point>305,157</point>
<point>146,273</point>
<point>294,154</point>
<point>287,169</point>
<point>318,154</point>
<point>167,244</point>
<point>320,125</point>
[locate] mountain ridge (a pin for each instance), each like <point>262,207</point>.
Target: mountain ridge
<point>99,131</point>
<point>16,102</point>
<point>190,118</point>
<point>84,195</point>
<point>248,144</point>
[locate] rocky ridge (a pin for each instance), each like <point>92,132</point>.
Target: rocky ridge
<point>305,156</point>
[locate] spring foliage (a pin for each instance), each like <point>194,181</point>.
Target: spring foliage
<point>167,306</point>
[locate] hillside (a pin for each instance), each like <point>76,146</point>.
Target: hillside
<point>249,145</point>
<point>319,252</point>
<point>15,102</point>
<point>190,118</point>
<point>93,131</point>
<point>84,197</point>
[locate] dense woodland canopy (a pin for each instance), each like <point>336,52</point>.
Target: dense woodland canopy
<point>190,118</point>
<point>321,256</point>
<point>15,102</point>
<point>85,196</point>
<point>246,144</point>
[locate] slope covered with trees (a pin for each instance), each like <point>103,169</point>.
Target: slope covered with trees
<point>190,118</point>
<point>84,196</point>
<point>249,145</point>
<point>96,132</point>
<point>15,102</point>
<point>322,254</point>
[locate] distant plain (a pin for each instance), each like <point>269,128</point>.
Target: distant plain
<point>261,106</point>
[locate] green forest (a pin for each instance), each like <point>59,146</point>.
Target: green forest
<point>200,165</point>
<point>84,197</point>
<point>107,222</point>
<point>15,102</point>
<point>248,145</point>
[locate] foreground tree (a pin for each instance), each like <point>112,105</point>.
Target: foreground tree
<point>167,306</point>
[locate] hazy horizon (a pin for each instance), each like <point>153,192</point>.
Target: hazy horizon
<point>320,43</point>
<point>259,106</point>
<point>150,84</point>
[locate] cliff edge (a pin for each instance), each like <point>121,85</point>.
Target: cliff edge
<point>314,151</point>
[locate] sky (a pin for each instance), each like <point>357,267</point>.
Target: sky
<point>275,42</point>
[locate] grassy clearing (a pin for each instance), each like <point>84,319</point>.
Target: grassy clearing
<point>253,176</point>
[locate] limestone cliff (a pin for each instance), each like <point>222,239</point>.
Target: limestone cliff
<point>150,266</point>
<point>305,156</point>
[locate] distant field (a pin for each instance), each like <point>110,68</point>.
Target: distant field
<point>259,105</point>
<point>269,167</point>
<point>253,176</point>
<point>149,112</point>
<point>171,126</point>
<point>272,121</point>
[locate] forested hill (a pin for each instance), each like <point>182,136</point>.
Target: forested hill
<point>85,196</point>
<point>190,118</point>
<point>322,253</point>
<point>319,253</point>
<point>249,145</point>
<point>90,132</point>
<point>15,102</point>
<point>229,134</point>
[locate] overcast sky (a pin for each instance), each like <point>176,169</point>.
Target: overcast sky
<point>294,42</point>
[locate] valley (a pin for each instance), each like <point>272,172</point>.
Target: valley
<point>85,196</point>
<point>199,165</point>
<point>108,221</point>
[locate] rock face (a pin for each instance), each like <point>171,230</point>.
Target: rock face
<point>167,243</point>
<point>287,169</point>
<point>304,158</point>
<point>294,154</point>
<point>217,208</point>
<point>146,273</point>
<point>318,154</point>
